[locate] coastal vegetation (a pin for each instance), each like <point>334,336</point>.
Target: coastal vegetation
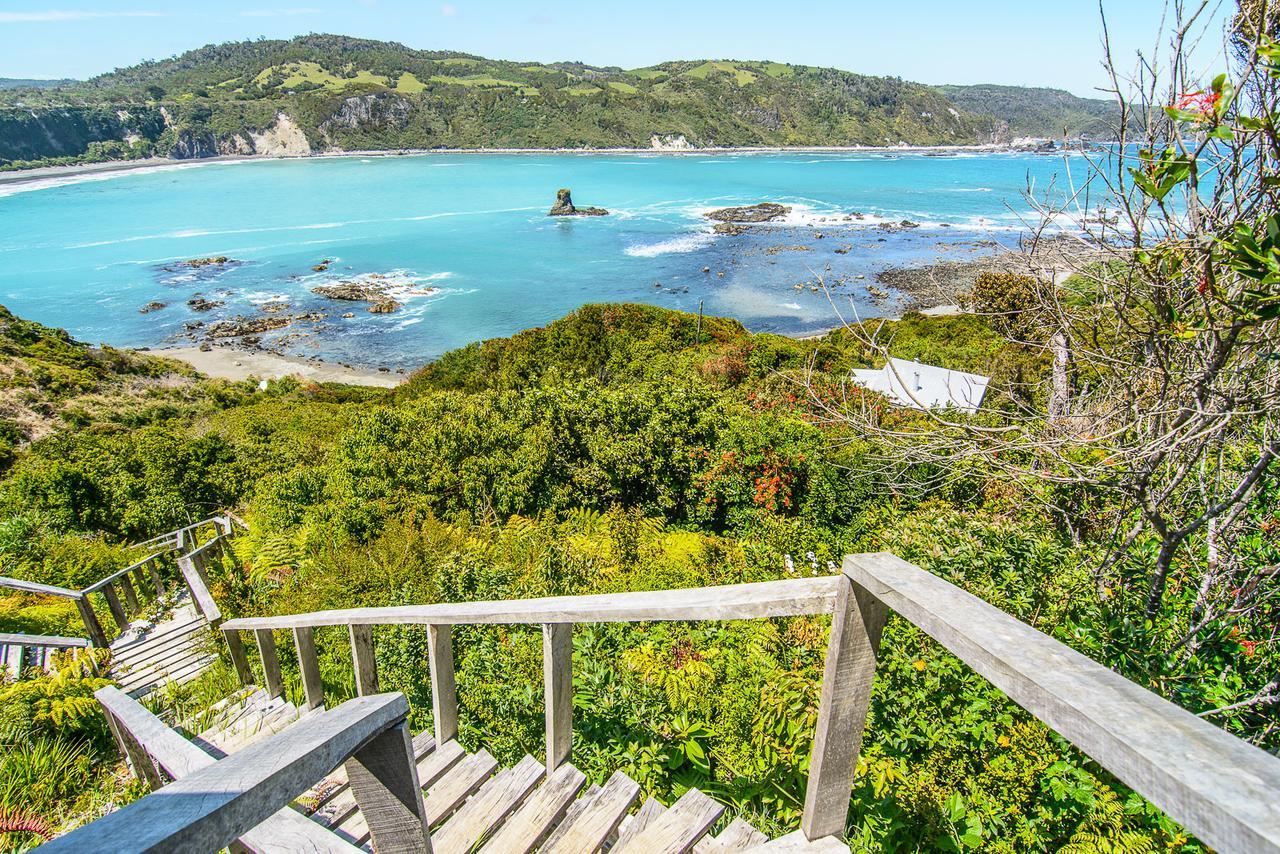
<point>1116,491</point>
<point>342,93</point>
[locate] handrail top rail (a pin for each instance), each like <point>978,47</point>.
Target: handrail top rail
<point>169,535</point>
<point>18,639</point>
<point>1219,787</point>
<point>103,582</point>
<point>217,804</point>
<point>205,546</point>
<point>36,587</point>
<point>785,598</point>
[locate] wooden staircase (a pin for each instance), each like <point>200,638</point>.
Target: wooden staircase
<point>473,805</point>
<point>176,649</point>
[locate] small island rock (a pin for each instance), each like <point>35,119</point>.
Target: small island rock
<point>763,212</point>
<point>564,206</point>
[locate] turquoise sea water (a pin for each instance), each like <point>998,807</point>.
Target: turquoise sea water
<point>465,242</point>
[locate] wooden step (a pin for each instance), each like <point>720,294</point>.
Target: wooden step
<point>487,808</point>
<point>335,802</point>
<point>632,827</point>
<point>586,828</point>
<point>675,830</point>
<point>796,842</point>
<point>738,836</point>
<point>522,832</point>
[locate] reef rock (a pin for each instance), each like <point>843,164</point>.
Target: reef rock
<point>763,212</point>
<point>564,206</point>
<point>247,326</point>
<point>152,306</point>
<point>352,291</point>
<point>202,304</point>
<point>385,306</point>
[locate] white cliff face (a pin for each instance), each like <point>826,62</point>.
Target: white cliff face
<point>282,139</point>
<point>670,142</point>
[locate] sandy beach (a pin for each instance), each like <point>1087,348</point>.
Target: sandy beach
<point>53,174</point>
<point>232,364</point>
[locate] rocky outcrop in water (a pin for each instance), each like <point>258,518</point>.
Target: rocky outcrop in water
<point>199,303</point>
<point>763,212</point>
<point>353,291</point>
<point>564,206</point>
<point>246,326</point>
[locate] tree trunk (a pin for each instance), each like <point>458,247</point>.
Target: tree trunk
<point>1060,395</point>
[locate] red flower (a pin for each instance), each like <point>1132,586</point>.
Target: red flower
<point>1250,647</point>
<point>1198,102</point>
<point>1203,286</point>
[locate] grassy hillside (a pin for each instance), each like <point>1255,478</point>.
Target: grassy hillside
<point>346,93</point>
<point>1013,111</point>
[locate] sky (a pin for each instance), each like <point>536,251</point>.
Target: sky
<point>1020,42</point>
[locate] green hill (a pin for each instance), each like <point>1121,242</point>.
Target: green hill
<point>326,92</point>
<point>1014,111</point>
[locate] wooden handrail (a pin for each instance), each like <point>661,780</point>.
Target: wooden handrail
<point>144,739</point>
<point>1217,786</point>
<point>53,641</point>
<point>34,587</point>
<point>212,806</point>
<point>731,602</point>
<point>101,583</point>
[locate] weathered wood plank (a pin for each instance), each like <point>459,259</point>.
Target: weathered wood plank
<point>91,623</point>
<point>444,689</point>
<point>193,574</point>
<point>557,673</point>
<point>118,574</point>
<point>385,783</point>
<point>677,829</point>
<point>457,785</point>
<point>796,843</point>
<point>33,587</point>
<point>488,807</point>
<point>113,604</point>
<point>270,662</point>
<point>157,580</point>
<point>304,641</point>
<point>286,830</point>
<point>856,626</point>
<point>645,816</point>
<point>238,658</point>
<point>363,657</point>
<point>522,832</point>
<point>1219,788</point>
<point>787,598</point>
<point>55,641</point>
<point>738,836</point>
<point>586,829</point>
<point>217,804</point>
<point>130,595</point>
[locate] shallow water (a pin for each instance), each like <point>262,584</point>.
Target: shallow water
<point>469,251</point>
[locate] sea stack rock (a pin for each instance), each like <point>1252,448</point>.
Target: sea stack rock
<point>564,206</point>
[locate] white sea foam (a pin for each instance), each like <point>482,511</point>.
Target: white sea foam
<point>683,243</point>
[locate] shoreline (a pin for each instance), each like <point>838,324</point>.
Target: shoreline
<point>20,177</point>
<point>236,364</point>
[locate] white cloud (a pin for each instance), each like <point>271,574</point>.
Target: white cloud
<point>277,13</point>
<point>448,10</point>
<point>68,15</point>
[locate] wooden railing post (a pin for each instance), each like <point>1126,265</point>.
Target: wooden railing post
<point>238,659</point>
<point>113,603</point>
<point>304,640</point>
<point>130,595</point>
<point>847,675</point>
<point>144,768</point>
<point>384,780</point>
<point>270,662</point>
<point>444,689</point>
<point>363,658</point>
<point>91,624</point>
<point>156,579</point>
<point>557,677</point>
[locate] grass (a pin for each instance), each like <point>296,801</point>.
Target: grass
<point>297,73</point>
<point>581,89</point>
<point>742,76</point>
<point>476,80</point>
<point>623,87</point>
<point>409,84</point>
<point>459,60</point>
<point>647,73</point>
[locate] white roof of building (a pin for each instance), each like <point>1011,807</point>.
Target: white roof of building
<point>922,386</point>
